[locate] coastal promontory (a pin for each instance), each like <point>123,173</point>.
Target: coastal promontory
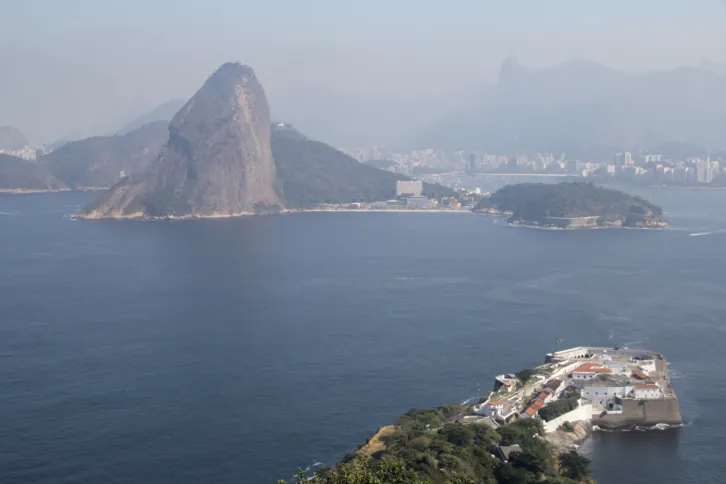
<point>570,206</point>
<point>217,161</point>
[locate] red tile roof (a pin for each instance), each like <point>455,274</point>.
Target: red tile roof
<point>592,368</point>
<point>646,387</point>
<point>639,375</point>
<point>532,409</point>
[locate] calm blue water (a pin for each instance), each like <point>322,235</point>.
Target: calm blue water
<point>235,351</point>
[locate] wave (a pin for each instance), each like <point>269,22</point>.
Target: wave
<point>307,471</point>
<point>640,428</point>
<point>675,375</point>
<point>8,213</point>
<point>469,400</point>
<point>699,234</point>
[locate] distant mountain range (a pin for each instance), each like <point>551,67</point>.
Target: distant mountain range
<point>587,110</point>
<point>163,112</point>
<point>11,139</point>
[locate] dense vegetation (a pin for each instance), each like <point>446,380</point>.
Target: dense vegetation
<point>525,375</point>
<point>557,408</point>
<point>311,173</point>
<point>382,164</point>
<point>431,446</point>
<point>99,161</point>
<point>17,173</point>
<point>533,202</point>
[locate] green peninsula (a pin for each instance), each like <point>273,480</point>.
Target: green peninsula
<point>434,446</point>
<point>571,206</point>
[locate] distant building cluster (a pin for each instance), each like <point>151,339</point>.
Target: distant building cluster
<point>26,153</point>
<point>646,167</point>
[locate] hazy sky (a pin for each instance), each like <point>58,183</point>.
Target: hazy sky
<point>74,67</point>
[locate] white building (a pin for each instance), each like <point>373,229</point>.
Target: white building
<point>647,391</point>
<point>605,396</point>
<point>420,203</point>
<point>498,409</point>
<point>590,371</point>
<point>646,365</point>
<point>602,396</point>
<point>410,188</point>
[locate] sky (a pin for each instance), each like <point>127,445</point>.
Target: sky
<point>74,68</point>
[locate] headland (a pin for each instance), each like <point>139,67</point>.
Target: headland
<point>529,427</point>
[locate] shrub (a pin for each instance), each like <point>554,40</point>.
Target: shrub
<point>557,408</point>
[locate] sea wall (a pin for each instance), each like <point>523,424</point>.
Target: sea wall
<point>641,412</point>
<point>583,412</point>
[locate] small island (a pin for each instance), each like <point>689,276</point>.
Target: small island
<point>576,205</point>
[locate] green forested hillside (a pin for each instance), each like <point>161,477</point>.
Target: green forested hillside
<point>431,446</point>
<point>102,160</point>
<point>532,202</point>
<point>310,173</point>
<point>20,174</point>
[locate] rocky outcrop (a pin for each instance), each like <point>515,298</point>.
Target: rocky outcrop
<point>563,440</point>
<point>217,161</point>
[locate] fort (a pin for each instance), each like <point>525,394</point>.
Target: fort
<point>613,388</point>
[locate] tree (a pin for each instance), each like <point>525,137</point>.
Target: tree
<point>525,374</point>
<point>507,474</point>
<point>528,462</point>
<point>364,471</point>
<point>459,435</point>
<point>574,466</point>
<point>557,408</point>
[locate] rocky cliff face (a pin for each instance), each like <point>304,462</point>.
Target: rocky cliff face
<point>217,161</point>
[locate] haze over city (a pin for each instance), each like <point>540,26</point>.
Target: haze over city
<point>353,74</point>
<point>333,242</point>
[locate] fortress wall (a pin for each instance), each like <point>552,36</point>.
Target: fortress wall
<point>583,412</point>
<point>642,412</point>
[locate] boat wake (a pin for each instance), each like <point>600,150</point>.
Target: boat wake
<point>712,232</point>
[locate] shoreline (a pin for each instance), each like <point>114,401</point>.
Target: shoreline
<point>143,218</point>
<point>529,225</point>
<point>32,191</point>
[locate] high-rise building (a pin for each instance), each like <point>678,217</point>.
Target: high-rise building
<point>410,188</point>
<point>703,171</point>
<point>628,158</point>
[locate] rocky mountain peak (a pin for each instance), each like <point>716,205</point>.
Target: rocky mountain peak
<point>217,162</point>
<point>511,70</point>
